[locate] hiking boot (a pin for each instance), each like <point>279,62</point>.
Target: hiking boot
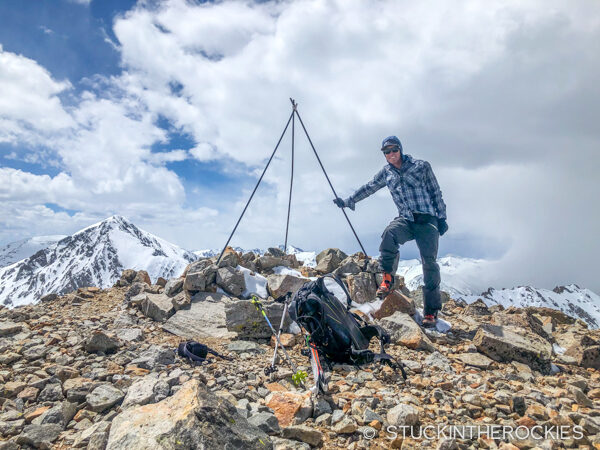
<point>386,285</point>
<point>429,321</point>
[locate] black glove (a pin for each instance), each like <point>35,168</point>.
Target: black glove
<point>442,226</point>
<point>344,203</point>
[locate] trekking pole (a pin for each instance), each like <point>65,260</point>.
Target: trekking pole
<point>299,375</point>
<point>285,310</point>
<point>326,176</point>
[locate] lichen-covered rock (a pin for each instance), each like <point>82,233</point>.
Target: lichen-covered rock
<point>395,301</point>
<point>362,287</point>
<point>514,344</point>
<point>241,317</point>
<point>99,341</point>
<point>329,260</point>
<point>280,285</point>
<point>405,331</point>
<point>192,418</point>
<point>231,281</point>
<point>158,307</point>
<point>173,286</point>
<point>103,397</point>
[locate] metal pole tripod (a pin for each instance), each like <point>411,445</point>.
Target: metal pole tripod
<point>294,114</point>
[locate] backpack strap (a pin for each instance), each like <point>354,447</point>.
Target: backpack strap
<point>321,285</point>
<point>371,331</point>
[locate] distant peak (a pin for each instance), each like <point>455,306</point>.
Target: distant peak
<point>117,218</point>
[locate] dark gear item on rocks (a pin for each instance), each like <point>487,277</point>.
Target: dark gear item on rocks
<point>337,334</point>
<point>197,352</point>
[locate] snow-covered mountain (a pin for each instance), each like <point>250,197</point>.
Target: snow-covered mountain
<point>572,300</point>
<point>460,278</point>
<point>94,256</point>
<point>18,250</point>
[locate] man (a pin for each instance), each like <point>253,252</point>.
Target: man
<point>422,217</point>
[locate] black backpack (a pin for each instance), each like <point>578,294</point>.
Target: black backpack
<point>338,334</point>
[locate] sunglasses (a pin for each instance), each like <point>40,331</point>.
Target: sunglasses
<point>391,150</point>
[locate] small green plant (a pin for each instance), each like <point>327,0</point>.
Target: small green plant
<point>299,377</point>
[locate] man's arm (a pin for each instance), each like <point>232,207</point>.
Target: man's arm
<point>435,192</point>
<point>370,188</point>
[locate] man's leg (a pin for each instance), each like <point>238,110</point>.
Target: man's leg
<point>427,238</point>
<point>395,234</point>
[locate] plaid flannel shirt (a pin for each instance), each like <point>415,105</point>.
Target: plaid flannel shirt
<point>414,188</point>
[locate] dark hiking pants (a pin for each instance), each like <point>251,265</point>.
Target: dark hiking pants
<point>424,231</point>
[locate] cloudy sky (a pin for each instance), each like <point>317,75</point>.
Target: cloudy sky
<point>166,113</point>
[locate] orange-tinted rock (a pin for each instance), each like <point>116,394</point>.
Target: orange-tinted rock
<point>396,301</point>
<point>285,406</point>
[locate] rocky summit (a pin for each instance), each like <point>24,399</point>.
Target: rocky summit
<point>98,368</point>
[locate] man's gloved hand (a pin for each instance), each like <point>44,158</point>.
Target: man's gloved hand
<point>442,226</point>
<point>344,203</point>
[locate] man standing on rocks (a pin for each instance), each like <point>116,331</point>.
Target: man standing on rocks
<point>422,217</point>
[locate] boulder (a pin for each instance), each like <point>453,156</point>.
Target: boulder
<point>287,406</point>
<point>303,433</point>
<point>267,262</point>
<point>362,287</point>
<point>135,289</point>
<point>8,328</point>
<point>404,330</point>
<point>475,360</point>
<point>129,334</point>
<point>204,318</point>
<point>231,281</point>
<point>280,285</point>
<point>103,397</point>
<point>158,307</point>
<point>505,344</point>
<point>141,392</point>
<point>477,308</point>
<point>517,318</point>
<point>39,436</point>
<point>155,356</point>
<point>194,281</point>
<point>329,260</point>
<point>127,276</point>
<point>349,266</point>
<point>182,300</point>
<point>558,316</point>
<point>192,418</point>
<point>266,421</point>
<point>395,301</point>
<point>230,258</point>
<point>174,286</point>
<point>403,415</point>
<point>274,251</point>
<point>60,414</point>
<point>242,318</point>
<point>417,296</point>
<point>142,277</point>
<point>101,342</point>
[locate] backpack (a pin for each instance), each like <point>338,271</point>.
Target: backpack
<point>338,334</point>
